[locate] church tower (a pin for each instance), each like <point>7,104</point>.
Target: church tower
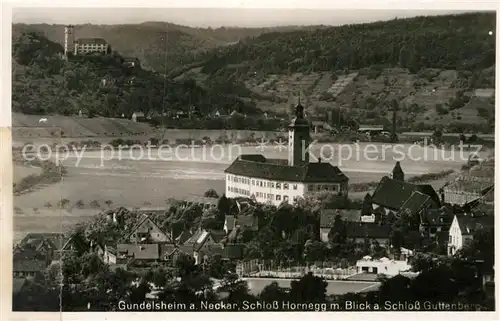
<point>69,40</point>
<point>298,138</point>
<point>397,173</point>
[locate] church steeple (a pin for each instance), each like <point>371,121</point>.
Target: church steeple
<point>397,172</point>
<point>298,138</point>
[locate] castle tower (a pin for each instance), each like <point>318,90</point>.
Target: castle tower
<point>69,39</point>
<point>298,138</point>
<point>397,173</point>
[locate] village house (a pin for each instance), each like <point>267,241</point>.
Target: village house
<point>464,226</point>
<point>109,255</point>
<point>183,237</point>
<point>146,231</point>
<point>226,251</point>
<point>28,268</point>
<point>137,252</point>
<point>205,202</point>
<point>51,245</point>
<point>361,232</point>
<point>434,222</point>
<point>327,220</point>
<point>383,266</point>
<point>370,129</point>
<point>466,190</point>
<point>131,62</point>
<point>321,127</point>
<point>246,222</point>
<point>396,195</point>
<point>138,116</point>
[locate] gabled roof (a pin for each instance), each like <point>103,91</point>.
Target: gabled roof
<point>246,222</point>
<point>183,237</point>
<point>89,41</point>
<point>140,251</point>
<point>167,249</point>
<point>414,203</point>
<point>469,224</point>
<point>367,230</point>
<point>371,127</point>
<point>56,240</point>
<point>230,222</point>
<point>29,266</point>
<point>18,284</point>
<point>216,235</point>
<point>139,227</point>
<point>201,200</point>
<point>194,238</point>
<point>436,217</point>
<point>260,167</point>
<point>392,194</point>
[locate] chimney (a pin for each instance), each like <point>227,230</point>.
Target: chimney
<point>319,159</point>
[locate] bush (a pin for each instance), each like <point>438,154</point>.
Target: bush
<point>95,204</point>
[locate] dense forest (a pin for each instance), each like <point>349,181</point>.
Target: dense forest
<point>445,42</point>
<point>44,82</point>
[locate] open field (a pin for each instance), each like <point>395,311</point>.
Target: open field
<point>256,285</point>
<point>21,171</point>
<point>145,182</point>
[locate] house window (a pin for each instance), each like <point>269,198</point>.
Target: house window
<point>268,184</point>
<point>285,198</point>
<point>295,198</point>
<point>310,188</point>
<point>334,188</point>
<point>278,197</point>
<point>272,185</point>
<point>295,186</point>
<point>285,186</point>
<point>253,182</point>
<point>449,239</point>
<point>278,185</point>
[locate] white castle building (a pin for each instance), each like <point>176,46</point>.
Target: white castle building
<point>279,180</point>
<point>82,45</point>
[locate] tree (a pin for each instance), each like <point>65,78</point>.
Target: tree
<point>308,289</point>
<point>367,205</point>
<point>273,292</point>
<point>223,205</point>
<point>338,232</point>
<point>314,251</point>
<point>211,193</point>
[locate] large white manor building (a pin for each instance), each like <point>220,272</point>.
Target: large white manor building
<point>279,180</point>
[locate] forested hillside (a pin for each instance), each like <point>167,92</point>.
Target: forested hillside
<point>444,42</point>
<point>159,45</point>
<point>44,83</point>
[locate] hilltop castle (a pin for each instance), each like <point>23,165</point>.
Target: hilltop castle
<point>82,45</point>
